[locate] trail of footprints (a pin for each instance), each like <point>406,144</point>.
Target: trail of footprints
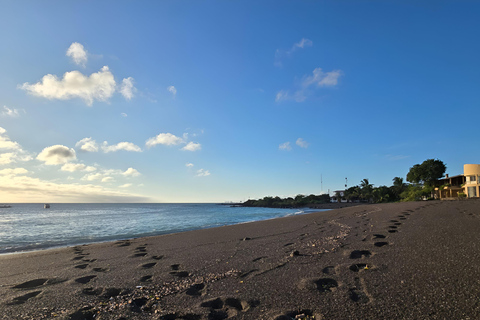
<point>357,291</point>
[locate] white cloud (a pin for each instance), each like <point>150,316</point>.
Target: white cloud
<point>302,143</point>
<point>130,172</point>
<point>16,171</point>
<point>123,114</point>
<point>7,112</point>
<point>6,143</point>
<point>126,185</point>
<point>281,95</point>
<point>173,90</point>
<point>189,165</point>
<point>108,179</point>
<point>322,79</point>
<point>127,146</point>
<point>77,52</point>
<point>192,146</point>
<point>56,154</point>
<point>309,84</point>
<point>203,173</point>
<point>127,89</point>
<point>87,144</point>
<point>15,150</point>
<point>98,86</point>
<point>72,167</point>
<point>92,176</point>
<point>280,54</point>
<point>6,158</point>
<point>165,139</point>
<point>302,44</point>
<point>285,146</point>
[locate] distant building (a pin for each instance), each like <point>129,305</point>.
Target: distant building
<point>466,183</point>
<point>341,193</point>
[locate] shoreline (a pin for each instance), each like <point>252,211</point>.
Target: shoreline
<point>367,261</point>
<point>139,236</point>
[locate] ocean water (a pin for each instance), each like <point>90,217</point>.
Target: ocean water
<point>27,227</point>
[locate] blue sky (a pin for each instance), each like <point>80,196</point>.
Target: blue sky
<point>212,101</point>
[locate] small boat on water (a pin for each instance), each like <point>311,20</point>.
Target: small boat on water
<point>5,206</point>
<point>46,206</point>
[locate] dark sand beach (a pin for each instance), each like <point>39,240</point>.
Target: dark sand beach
<point>417,260</point>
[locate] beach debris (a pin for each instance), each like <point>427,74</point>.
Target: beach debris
<point>295,253</point>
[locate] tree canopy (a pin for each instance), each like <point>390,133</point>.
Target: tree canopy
<point>426,173</point>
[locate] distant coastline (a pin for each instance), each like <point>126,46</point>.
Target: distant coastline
<point>323,206</point>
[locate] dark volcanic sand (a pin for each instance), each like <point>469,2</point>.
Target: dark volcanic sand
<point>418,260</point>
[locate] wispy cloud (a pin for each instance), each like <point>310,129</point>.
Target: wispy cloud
<point>90,145</point>
<point>56,154</point>
<point>203,173</point>
<point>126,185</point>
<point>127,89</point>
<point>188,165</point>
<point>130,172</point>
<point>172,90</point>
<point>302,143</point>
<point>14,113</point>
<point>123,114</point>
<point>73,167</point>
<point>281,54</point>
<point>15,152</point>
<point>126,146</point>
<point>309,84</point>
<point>392,157</point>
<point>77,52</point>
<point>167,139</point>
<point>285,146</point>
<point>192,146</point>
<point>14,171</point>
<point>87,145</point>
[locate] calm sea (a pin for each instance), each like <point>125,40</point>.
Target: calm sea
<point>26,227</point>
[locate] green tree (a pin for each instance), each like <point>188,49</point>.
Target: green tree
<point>398,187</point>
<point>366,190</point>
<point>426,173</point>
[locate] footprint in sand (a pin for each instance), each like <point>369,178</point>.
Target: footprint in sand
<point>175,267</point>
<point>157,257</point>
<point>148,265</point>
<point>86,279</point>
<point>329,270</point>
<point>358,293</point>
<point>359,267</point>
<point>24,298</point>
<point>380,244</point>
<point>228,308</point>
<point>357,254</point>
<point>197,289</point>
<point>31,284</point>
<point>123,243</point>
<point>81,266</point>
<point>379,236</point>
<point>140,254</point>
<point>180,274</point>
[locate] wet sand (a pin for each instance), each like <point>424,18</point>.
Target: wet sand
<point>418,260</point>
